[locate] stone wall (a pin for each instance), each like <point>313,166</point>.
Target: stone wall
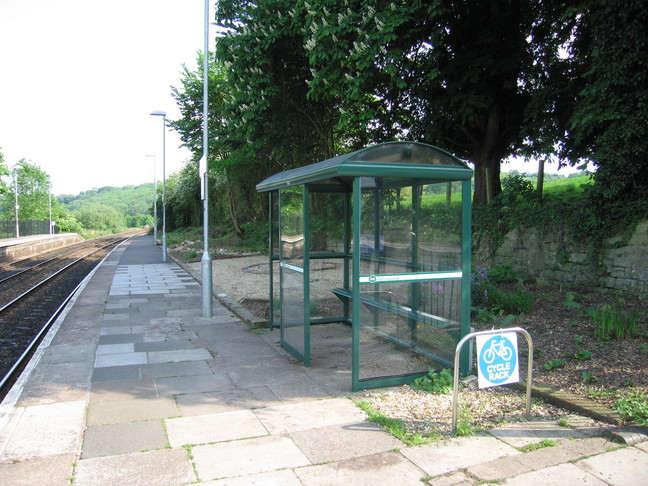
<point>559,260</point>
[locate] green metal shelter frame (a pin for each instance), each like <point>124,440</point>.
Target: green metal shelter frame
<point>379,239</point>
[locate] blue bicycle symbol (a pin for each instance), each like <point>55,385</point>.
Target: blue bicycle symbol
<point>497,348</point>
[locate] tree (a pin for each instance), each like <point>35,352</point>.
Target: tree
<point>462,75</point>
<point>100,217</point>
<point>33,192</point>
<point>608,122</point>
<point>4,172</point>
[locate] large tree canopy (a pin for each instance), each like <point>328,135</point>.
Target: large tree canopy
<point>302,80</point>
<point>462,75</point>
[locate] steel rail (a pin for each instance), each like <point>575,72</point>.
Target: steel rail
<point>45,328</point>
<point>61,270</point>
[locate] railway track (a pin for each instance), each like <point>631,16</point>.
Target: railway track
<point>32,294</point>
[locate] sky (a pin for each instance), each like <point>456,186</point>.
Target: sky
<point>79,79</point>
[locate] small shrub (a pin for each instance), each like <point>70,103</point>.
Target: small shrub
<point>504,273</point>
<point>634,407</point>
<point>518,302</point>
<point>588,377</point>
<point>582,355</point>
<point>553,364</point>
<point>435,382</point>
<point>611,322</point>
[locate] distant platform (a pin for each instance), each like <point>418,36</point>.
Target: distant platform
<point>16,248</point>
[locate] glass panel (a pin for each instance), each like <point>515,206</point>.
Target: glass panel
<point>326,274</point>
<point>292,311</point>
<point>327,222</point>
<point>406,153</point>
<point>410,272</point>
<point>293,331</point>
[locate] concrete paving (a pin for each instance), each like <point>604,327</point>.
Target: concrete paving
<point>133,386</point>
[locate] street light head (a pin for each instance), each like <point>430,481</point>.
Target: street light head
<point>158,113</point>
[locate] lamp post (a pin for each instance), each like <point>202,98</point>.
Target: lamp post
<point>16,201</point>
<point>206,260</point>
<point>154,202</point>
<point>164,247</point>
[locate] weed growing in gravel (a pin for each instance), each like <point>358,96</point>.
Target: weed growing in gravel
<point>394,426</point>
<point>588,377</point>
<point>435,382</point>
<point>464,429</point>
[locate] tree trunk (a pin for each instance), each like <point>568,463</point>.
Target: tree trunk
<point>232,206</point>
<point>487,158</point>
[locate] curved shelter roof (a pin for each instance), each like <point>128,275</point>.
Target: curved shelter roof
<point>409,160</point>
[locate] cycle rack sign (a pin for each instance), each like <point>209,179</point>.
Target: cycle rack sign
<point>497,359</point>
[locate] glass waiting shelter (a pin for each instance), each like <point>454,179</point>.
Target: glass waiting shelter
<point>379,240</point>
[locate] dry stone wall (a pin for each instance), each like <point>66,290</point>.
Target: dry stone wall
<point>559,260</point>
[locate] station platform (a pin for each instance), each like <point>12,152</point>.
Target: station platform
<point>16,248</point>
<point>134,387</point>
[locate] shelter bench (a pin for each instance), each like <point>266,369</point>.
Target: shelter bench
<point>374,304</point>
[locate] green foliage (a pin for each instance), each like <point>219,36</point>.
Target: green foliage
<point>588,377</point>
<point>464,427</point>
<point>518,302</point>
<point>135,202</point>
<point>553,364</point>
<point>582,355</point>
<point>504,274</point>
<point>538,445</point>
<point>633,406</point>
<point>612,322</point>
<point>101,218</point>
<point>435,382</point>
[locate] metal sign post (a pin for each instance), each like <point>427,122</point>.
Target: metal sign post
<point>499,356</point>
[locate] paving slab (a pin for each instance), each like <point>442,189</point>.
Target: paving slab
<point>109,440</point>
<point>446,456</point>
<point>168,370</point>
<point>153,468</point>
<point>559,475</point>
<point>43,430</point>
<point>498,469</point>
<point>623,467</point>
<point>525,433</point>
<point>115,373</point>
<point>309,415</point>
<point>272,478</point>
<point>123,411</point>
<point>227,400</point>
<point>47,470</point>
<point>217,427</point>
<point>106,391</point>
<point>248,456</point>
<point>198,383</point>
<point>340,442</point>
<point>378,470</point>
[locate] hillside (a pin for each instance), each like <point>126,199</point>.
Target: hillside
<point>129,200</point>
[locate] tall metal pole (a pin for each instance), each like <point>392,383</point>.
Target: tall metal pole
<point>164,246</point>
<point>154,202</point>
<point>16,201</point>
<point>206,260</point>
<point>50,208</point>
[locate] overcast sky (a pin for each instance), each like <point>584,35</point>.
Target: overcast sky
<point>78,79</point>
